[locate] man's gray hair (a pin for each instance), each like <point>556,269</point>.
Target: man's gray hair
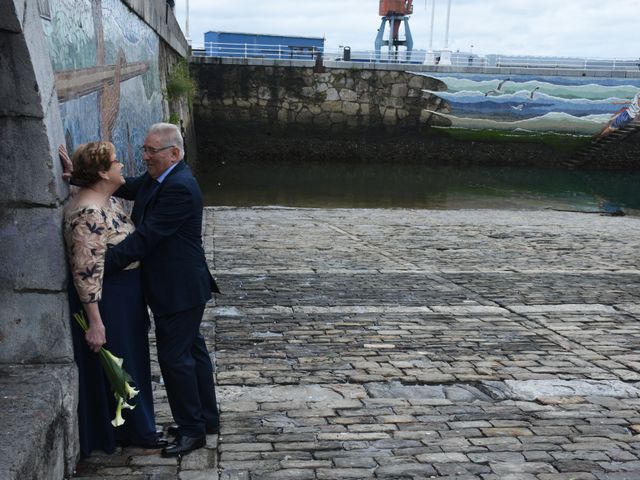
<point>170,133</point>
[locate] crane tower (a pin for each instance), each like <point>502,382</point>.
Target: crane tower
<point>395,12</point>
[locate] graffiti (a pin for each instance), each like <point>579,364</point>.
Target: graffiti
<point>105,61</point>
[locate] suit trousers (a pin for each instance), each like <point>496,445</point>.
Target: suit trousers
<point>187,370</point>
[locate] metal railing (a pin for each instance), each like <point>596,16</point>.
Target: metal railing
<point>302,53</point>
<point>458,59</point>
<point>256,51</point>
<point>611,64</point>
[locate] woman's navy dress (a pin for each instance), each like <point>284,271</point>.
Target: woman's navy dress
<point>88,231</point>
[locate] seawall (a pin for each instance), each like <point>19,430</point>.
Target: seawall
<point>359,112</point>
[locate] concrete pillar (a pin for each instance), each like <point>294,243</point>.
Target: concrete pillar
<point>430,58</point>
<point>445,57</point>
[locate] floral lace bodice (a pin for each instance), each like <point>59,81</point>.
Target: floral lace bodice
<point>88,231</point>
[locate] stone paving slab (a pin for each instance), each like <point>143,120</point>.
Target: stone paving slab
<point>404,344</point>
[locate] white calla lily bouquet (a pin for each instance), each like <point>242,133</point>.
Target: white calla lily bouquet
<point>117,376</point>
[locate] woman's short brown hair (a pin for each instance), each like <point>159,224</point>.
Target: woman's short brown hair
<point>89,159</point>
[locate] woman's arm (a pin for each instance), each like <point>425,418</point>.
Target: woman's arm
<point>86,256</point>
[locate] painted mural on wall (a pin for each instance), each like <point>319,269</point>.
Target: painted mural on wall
<point>105,61</point>
<point>527,103</point>
<point>623,117</point>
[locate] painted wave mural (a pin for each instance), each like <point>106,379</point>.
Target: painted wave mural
<point>575,105</point>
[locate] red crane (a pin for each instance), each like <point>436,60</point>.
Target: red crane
<point>395,12</point>
<point>395,7</point>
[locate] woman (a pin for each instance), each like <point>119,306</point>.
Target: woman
<point>114,306</point>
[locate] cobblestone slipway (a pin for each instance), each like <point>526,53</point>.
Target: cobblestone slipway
<point>413,344</point>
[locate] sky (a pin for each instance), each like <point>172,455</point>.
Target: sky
<point>582,28</point>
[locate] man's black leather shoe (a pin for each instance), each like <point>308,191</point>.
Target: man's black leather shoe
<point>184,445</point>
<point>211,429</point>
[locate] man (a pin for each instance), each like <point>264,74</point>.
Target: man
<point>176,280</point>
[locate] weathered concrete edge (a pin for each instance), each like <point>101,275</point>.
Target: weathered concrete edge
<point>39,421</point>
<point>163,21</point>
<point>560,72</point>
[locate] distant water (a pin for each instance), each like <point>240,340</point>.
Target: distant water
<point>415,186</point>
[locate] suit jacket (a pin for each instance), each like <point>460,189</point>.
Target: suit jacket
<point>168,241</point>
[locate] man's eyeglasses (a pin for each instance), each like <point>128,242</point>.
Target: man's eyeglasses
<point>153,151</point>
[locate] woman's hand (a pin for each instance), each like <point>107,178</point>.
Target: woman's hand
<point>96,337</point>
<point>67,166</point>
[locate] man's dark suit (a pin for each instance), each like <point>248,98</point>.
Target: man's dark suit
<point>177,284</point>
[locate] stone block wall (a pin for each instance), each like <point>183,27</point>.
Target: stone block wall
<point>333,99</point>
<point>31,191</point>
<point>34,317</point>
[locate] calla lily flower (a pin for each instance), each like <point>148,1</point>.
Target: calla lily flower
<point>117,360</point>
<point>118,420</point>
<point>131,392</point>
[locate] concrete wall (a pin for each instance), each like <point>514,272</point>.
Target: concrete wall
<point>160,18</point>
<point>49,96</point>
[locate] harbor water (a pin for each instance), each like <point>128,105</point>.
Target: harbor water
<point>385,185</point>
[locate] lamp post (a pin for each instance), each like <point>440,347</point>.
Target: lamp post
<point>430,58</point>
<point>186,24</point>
<point>445,55</point>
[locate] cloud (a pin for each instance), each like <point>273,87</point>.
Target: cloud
<point>586,28</point>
